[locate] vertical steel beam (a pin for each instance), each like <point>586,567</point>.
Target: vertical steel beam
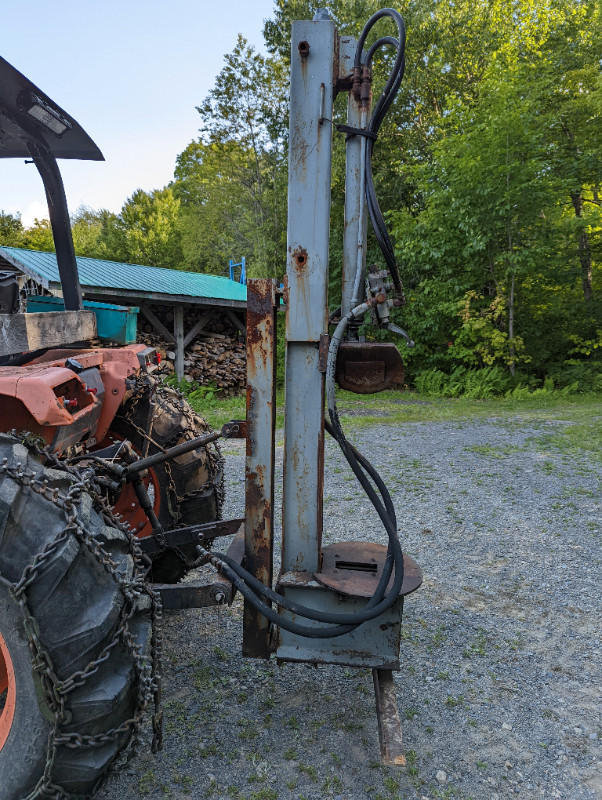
<point>259,472</point>
<point>178,335</point>
<point>310,155</point>
<point>354,245</point>
<point>389,724</point>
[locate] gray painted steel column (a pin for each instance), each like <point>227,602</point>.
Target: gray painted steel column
<point>310,151</point>
<point>352,194</point>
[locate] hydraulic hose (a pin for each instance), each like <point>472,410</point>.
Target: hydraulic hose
<point>380,110</point>
<point>253,590</point>
<point>314,614</point>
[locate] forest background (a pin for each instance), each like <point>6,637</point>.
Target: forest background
<point>488,168</point>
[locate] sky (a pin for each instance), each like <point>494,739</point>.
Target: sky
<point>131,73</point>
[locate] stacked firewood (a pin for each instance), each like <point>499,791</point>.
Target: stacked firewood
<point>216,356</point>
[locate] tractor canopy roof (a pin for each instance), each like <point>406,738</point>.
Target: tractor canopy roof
<point>27,114</point>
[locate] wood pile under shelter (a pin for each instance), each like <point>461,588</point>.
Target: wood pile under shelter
<point>198,319</point>
<point>215,355</point>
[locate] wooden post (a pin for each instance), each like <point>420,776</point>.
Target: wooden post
<point>20,333</point>
<point>240,326</point>
<point>156,322</point>
<point>178,334</point>
<point>200,324</point>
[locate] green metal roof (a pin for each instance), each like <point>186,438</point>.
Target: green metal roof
<point>95,275</point>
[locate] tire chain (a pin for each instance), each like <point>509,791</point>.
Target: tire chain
<point>55,691</point>
<point>216,461</point>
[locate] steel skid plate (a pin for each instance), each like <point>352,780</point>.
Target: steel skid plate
<point>348,578</point>
<point>369,367</point>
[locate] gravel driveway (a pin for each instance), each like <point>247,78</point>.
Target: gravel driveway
<point>501,658</point>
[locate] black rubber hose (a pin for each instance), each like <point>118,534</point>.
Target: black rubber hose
<point>373,608</point>
<point>307,631</point>
<point>380,484</point>
<point>380,110</point>
<point>252,589</point>
<point>370,611</point>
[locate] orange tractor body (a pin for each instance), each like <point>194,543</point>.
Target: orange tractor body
<point>69,397</point>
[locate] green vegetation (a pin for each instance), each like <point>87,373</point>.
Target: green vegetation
<point>488,168</point>
<point>396,407</point>
<point>308,769</point>
<point>264,794</point>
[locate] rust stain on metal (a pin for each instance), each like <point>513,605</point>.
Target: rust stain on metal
<point>365,376</point>
<point>323,352</point>
<point>259,474</point>
<point>260,313</point>
<point>300,259</point>
<point>369,367</point>
<point>303,48</point>
<point>389,724</point>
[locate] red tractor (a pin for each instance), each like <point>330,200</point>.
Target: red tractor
<point>77,651</point>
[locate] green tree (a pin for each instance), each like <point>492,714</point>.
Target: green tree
<point>147,231</point>
<point>217,220</point>
<point>232,179</point>
<point>494,265</point>
<point>91,230</point>
<point>39,236</point>
<point>11,229</point>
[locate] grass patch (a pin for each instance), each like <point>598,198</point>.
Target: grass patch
<point>581,438</point>
<point>397,407</point>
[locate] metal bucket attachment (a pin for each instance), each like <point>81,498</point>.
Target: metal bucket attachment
<point>369,367</point>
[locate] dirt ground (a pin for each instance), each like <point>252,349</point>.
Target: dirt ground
<point>500,684</point>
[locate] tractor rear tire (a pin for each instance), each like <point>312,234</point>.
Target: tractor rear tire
<point>191,486</point>
<point>72,606</point>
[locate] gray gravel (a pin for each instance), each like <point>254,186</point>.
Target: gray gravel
<point>501,658</point>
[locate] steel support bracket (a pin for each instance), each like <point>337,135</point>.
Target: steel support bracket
<point>348,577</point>
<point>200,595</point>
<point>194,534</point>
<point>323,352</point>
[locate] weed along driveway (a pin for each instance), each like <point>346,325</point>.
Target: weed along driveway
<point>501,659</point>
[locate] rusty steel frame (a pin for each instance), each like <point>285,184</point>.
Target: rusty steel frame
<point>262,297</point>
<point>387,715</point>
<point>180,596</point>
<point>193,534</point>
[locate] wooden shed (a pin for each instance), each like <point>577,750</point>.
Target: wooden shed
<point>137,285</point>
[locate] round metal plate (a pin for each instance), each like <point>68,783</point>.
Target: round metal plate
<point>354,569</point>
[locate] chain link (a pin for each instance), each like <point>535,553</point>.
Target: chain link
<point>55,690</point>
<point>189,427</point>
